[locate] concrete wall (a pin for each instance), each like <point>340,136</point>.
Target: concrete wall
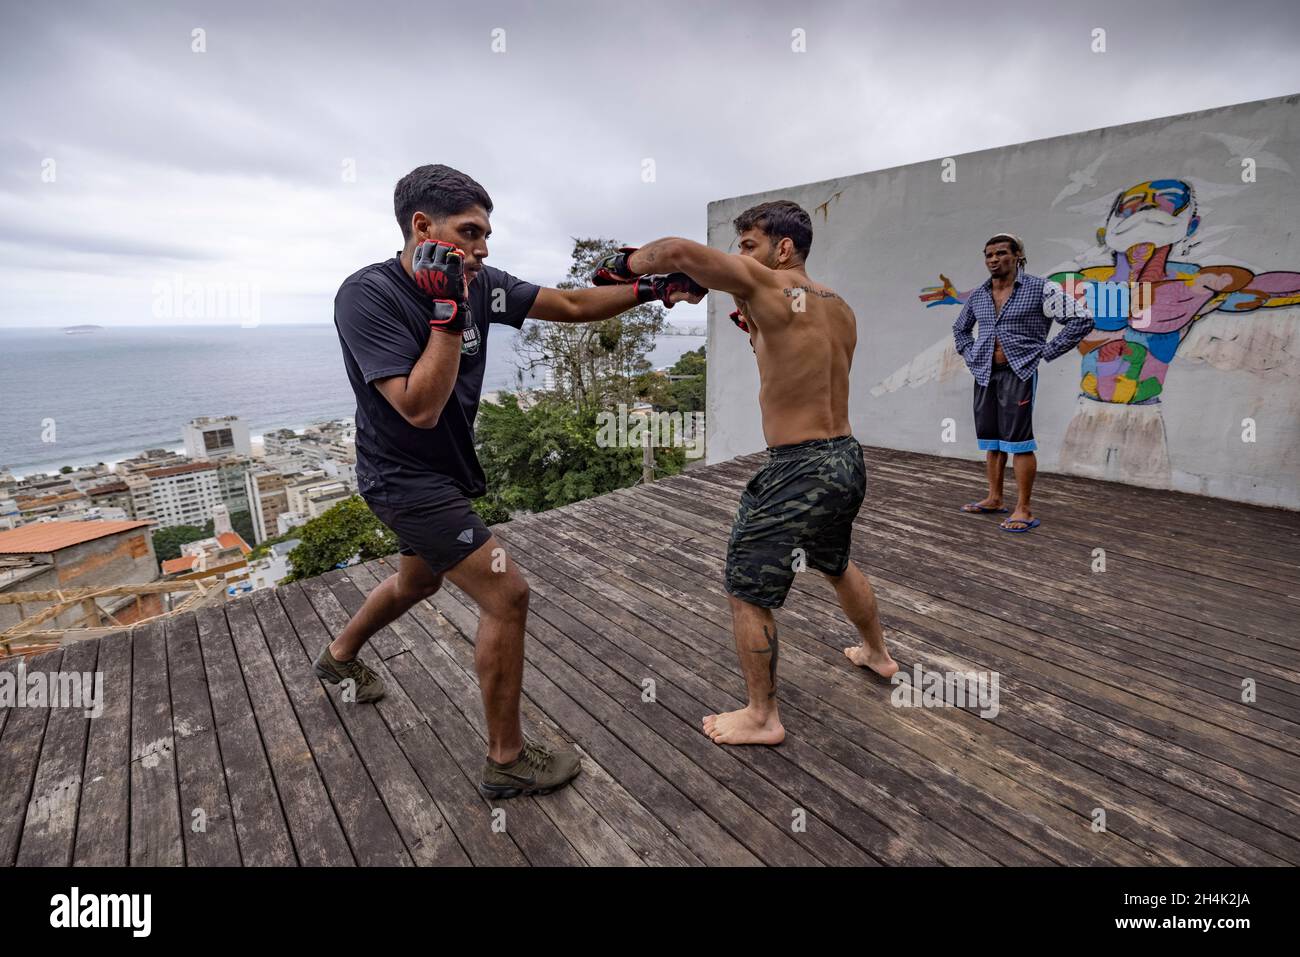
<point>881,238</point>
<point>126,558</point>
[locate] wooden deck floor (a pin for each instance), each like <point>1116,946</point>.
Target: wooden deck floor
<point>1119,690</point>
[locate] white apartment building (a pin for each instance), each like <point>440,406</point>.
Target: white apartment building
<point>210,437</point>
<point>179,495</point>
<point>314,497</point>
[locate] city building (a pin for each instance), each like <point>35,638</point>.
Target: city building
<point>267,572</point>
<point>210,437</point>
<point>224,555</point>
<point>266,499</point>
<point>176,495</point>
<point>49,556</point>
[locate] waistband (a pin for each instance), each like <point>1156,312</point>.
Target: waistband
<point>812,445</point>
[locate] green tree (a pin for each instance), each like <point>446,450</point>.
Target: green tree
<point>684,395</point>
<point>347,530</point>
<point>594,363</point>
<point>548,455</point>
<point>167,542</point>
<point>242,522</point>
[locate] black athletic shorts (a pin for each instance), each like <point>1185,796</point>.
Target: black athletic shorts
<point>1004,411</point>
<point>442,529</point>
<point>797,512</point>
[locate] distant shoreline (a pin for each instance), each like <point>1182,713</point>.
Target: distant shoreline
<point>174,447</point>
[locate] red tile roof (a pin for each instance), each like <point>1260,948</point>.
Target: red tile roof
<point>173,565</point>
<point>52,536</point>
<point>232,540</point>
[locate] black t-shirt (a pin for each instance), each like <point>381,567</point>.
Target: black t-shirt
<point>382,318</point>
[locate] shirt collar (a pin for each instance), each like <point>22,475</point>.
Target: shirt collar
<point>988,283</point>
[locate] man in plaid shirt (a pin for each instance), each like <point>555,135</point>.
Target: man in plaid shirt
<point>1014,311</point>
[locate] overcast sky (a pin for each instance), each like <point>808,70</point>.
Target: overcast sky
<point>227,167</point>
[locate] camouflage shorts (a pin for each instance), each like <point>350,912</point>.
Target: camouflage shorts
<point>801,505</point>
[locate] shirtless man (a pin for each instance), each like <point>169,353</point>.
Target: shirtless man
<point>798,510</point>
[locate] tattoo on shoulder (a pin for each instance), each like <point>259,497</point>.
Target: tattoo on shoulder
<point>822,293</point>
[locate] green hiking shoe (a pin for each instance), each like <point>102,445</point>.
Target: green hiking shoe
<point>369,686</point>
<point>537,770</point>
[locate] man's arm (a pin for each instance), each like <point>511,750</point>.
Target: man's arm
<point>421,395</point>
<point>961,336</point>
<point>1071,312</point>
<point>739,275</point>
<point>582,305</point>
<point>603,302</point>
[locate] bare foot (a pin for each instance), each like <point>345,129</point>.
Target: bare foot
<point>882,664</point>
<point>1019,518</point>
<point>744,727</point>
<point>987,502</point>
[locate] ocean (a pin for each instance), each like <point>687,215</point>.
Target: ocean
<point>111,393</point>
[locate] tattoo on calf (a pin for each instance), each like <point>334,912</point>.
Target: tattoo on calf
<point>774,649</point>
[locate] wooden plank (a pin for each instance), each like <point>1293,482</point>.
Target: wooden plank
<point>653,644</point>
<point>455,786</point>
<point>50,828</point>
<point>1242,524</point>
<point>1157,705</point>
<point>313,827</point>
<point>691,826</point>
<point>1074,586</point>
<point>8,672</point>
<point>677,792</point>
<point>1210,643</point>
<point>714,575</point>
<point>1181,592</point>
<point>207,820</point>
<point>1182,597</point>
<point>104,815</point>
<point>20,751</point>
<point>260,826</point>
<point>566,811</point>
<point>1238,526</point>
<point>155,797</point>
<point>73,595</point>
<point>775,788</point>
<point>370,831</point>
<point>981,758</point>
<point>456,715</point>
<point>1214,709</point>
<point>423,828</point>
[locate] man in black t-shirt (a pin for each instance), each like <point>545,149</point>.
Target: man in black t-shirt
<point>414,334</point>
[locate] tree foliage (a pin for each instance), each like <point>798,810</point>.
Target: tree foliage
<point>346,531</point>
<point>597,364</point>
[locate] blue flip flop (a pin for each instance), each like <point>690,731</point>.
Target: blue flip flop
<point>1032,523</point>
<point>975,508</point>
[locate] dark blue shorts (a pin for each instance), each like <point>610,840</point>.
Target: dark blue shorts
<point>1004,412</point>
<point>442,528</point>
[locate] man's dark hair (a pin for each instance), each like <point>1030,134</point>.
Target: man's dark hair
<point>779,220</point>
<point>437,191</point>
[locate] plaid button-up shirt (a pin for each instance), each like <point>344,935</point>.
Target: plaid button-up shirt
<point>1021,327</point>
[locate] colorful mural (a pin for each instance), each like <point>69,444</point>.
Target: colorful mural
<point>1144,301</point>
